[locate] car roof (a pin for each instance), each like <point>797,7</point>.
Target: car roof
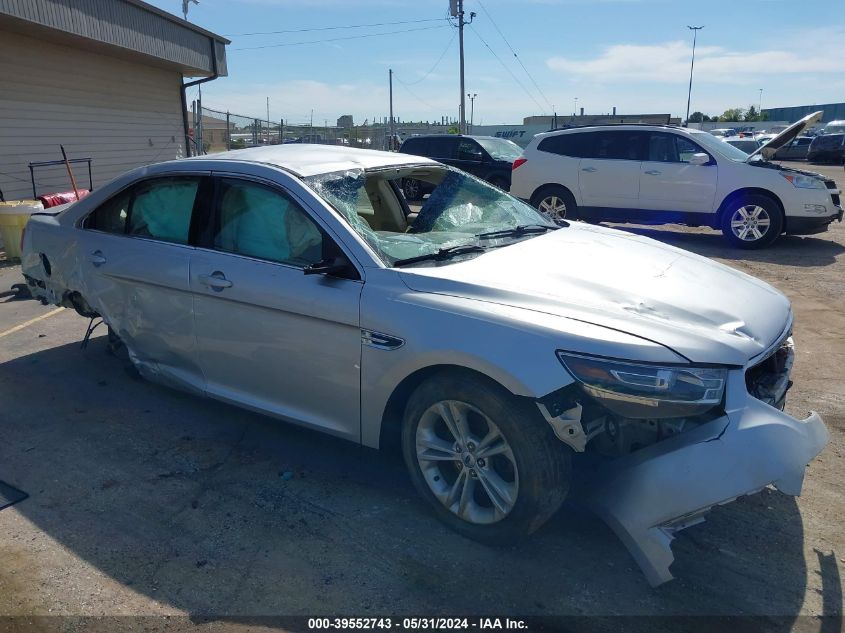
<point>311,160</point>
<point>474,136</point>
<point>611,126</point>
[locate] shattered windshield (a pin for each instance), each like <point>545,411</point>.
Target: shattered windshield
<point>426,215</point>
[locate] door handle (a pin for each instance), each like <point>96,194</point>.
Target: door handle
<point>652,172</point>
<point>215,281</point>
<point>97,258</point>
<point>589,169</point>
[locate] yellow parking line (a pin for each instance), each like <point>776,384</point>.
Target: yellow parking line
<point>30,322</point>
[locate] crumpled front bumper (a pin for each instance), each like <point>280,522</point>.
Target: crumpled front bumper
<point>649,495</point>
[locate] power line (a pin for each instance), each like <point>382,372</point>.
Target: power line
<point>338,39</point>
<point>332,28</point>
<point>437,63</point>
<point>499,31</point>
<point>515,78</point>
<point>413,94</point>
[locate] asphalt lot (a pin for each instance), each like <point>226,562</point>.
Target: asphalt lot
<point>148,501</point>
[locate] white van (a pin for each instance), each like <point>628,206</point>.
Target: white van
<point>665,174</point>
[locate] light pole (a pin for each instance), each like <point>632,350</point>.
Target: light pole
<point>695,30</point>
<point>575,108</point>
<point>471,109</point>
<point>760,105</point>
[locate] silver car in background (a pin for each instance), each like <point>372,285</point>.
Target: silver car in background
<point>485,342</point>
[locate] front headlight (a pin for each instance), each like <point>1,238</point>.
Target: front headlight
<point>639,390</point>
<point>804,182</point>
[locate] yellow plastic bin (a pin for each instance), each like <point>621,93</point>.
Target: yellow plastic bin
<point>13,218</point>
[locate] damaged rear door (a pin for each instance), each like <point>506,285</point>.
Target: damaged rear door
<point>134,256</point>
<point>271,337</point>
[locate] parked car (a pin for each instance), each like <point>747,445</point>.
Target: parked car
<point>723,132</point>
<point>827,148</point>
<point>795,150</point>
<point>747,145</point>
<point>477,337</point>
<point>834,127</point>
<point>666,174</point>
<point>487,157</point>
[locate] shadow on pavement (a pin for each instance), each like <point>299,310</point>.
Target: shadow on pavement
<point>788,250</point>
<point>228,514</point>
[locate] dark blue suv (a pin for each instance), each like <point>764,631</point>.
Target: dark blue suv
<point>487,157</point>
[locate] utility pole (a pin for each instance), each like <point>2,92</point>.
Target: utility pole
<point>760,106</point>
<point>575,110</point>
<point>695,30</point>
<point>471,109</point>
<point>392,127</point>
<point>456,10</point>
<point>462,129</point>
<point>268,120</point>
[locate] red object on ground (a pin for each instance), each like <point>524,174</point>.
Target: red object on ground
<point>55,199</point>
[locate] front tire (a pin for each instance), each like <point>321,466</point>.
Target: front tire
<point>487,463</point>
<point>555,201</point>
<point>752,221</point>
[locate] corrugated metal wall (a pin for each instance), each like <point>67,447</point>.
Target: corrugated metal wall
<point>120,113</point>
<point>121,24</point>
<point>832,112</point>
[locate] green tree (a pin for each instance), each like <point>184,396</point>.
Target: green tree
<point>453,130</point>
<point>698,117</point>
<point>733,114</point>
<point>752,114</point>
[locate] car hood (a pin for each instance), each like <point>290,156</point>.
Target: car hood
<point>768,149</point>
<point>700,309</point>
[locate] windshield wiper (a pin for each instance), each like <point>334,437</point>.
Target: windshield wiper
<point>443,253</point>
<point>517,231</point>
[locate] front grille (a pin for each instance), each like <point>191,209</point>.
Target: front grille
<point>768,380</point>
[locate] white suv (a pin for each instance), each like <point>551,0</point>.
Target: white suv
<point>665,174</point>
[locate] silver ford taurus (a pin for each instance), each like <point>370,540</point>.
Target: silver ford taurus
<point>481,339</point>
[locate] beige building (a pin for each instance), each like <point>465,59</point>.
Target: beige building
<point>104,78</point>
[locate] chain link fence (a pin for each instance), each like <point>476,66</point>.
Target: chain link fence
<point>213,131</point>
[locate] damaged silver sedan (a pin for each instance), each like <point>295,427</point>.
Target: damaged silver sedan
<point>485,342</point>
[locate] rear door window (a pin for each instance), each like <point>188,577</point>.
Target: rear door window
<point>617,145</point>
<point>159,208</point>
<point>111,216</point>
<point>415,146</point>
<point>441,147</point>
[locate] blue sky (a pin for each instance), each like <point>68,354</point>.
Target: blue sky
<point>632,54</point>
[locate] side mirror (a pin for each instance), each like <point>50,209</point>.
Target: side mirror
<point>338,266</point>
<point>699,158</point>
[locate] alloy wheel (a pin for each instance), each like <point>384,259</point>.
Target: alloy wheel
<point>750,222</point>
<point>467,462</point>
<point>553,206</point>
<point>412,189</point>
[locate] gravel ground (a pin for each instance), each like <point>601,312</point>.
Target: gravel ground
<point>147,501</point>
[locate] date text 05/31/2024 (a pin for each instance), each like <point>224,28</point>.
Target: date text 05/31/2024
<point>411,623</point>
